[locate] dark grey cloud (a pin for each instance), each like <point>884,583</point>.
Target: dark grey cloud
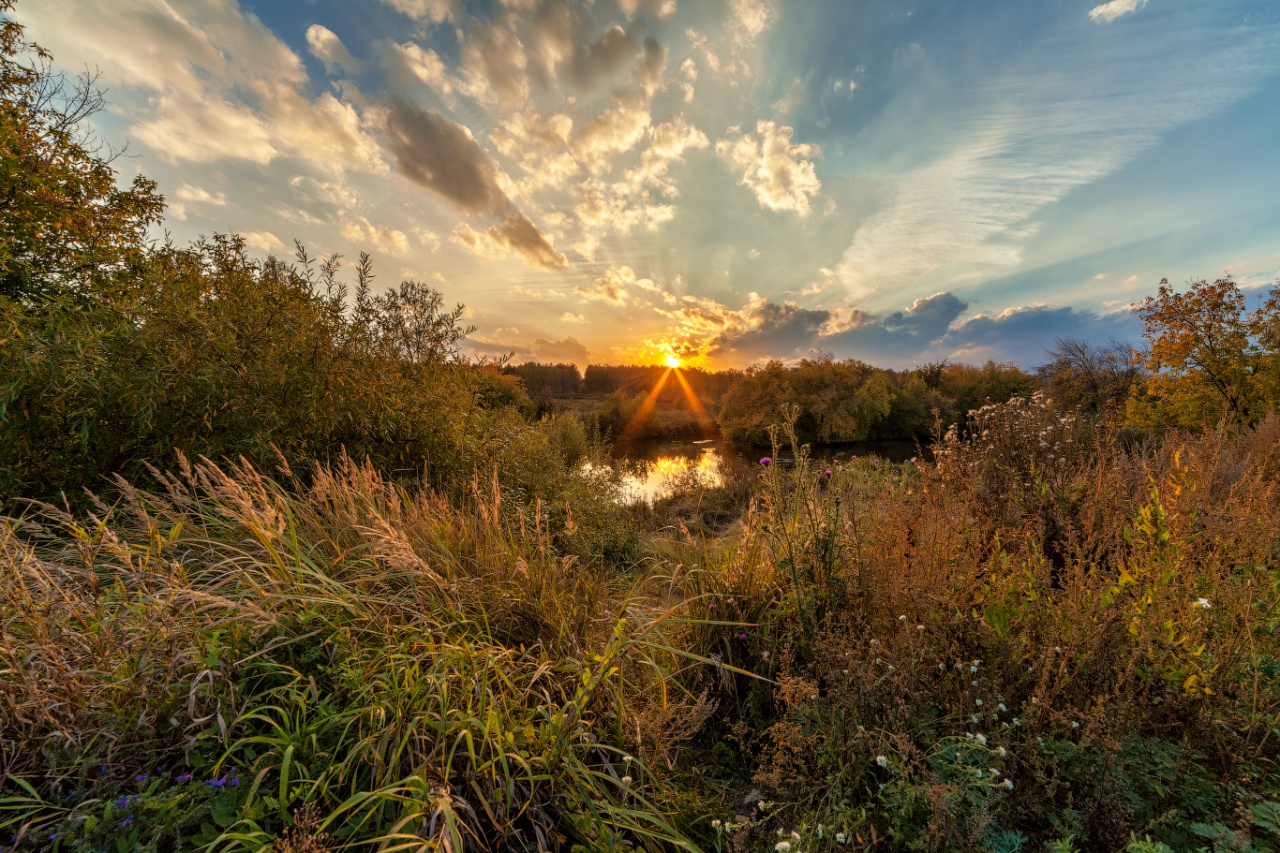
<point>929,329</point>
<point>1022,335</point>
<point>518,233</point>
<point>443,157</point>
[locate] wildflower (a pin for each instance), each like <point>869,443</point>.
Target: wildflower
<point>795,836</point>
<point>993,771</point>
<point>902,618</point>
<point>716,824</point>
<point>1203,603</point>
<point>942,667</point>
<point>973,718</point>
<point>766,461</point>
<point>827,473</point>
<point>1075,725</point>
<point>127,822</point>
<point>1002,708</point>
<point>782,846</point>
<point>626,780</point>
<point>627,759</point>
<point>185,777</point>
<point>921,628</point>
<point>841,838</point>
<point>973,669</point>
<point>1008,783</point>
<point>217,783</point>
<point>978,702</point>
<point>1017,722</point>
<point>1003,752</point>
<point>981,738</point>
<point>140,778</point>
<point>882,761</point>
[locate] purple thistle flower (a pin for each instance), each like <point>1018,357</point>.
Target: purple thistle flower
<point>826,473</point>
<point>766,461</point>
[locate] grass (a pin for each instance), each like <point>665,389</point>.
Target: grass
<point>1042,640</point>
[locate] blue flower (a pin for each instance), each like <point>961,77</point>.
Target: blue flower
<point>127,822</point>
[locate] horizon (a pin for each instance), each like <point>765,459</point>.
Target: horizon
<point>716,183</point>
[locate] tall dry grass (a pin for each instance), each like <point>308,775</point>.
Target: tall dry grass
<point>419,670</point>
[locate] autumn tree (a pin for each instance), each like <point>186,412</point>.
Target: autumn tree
<point>1087,376</point>
<point>64,222</point>
<point>1209,356</point>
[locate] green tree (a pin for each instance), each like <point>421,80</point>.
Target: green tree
<point>64,223</point>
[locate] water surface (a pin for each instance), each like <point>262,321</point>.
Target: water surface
<point>651,466</point>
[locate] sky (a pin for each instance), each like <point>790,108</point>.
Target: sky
<point>729,181</point>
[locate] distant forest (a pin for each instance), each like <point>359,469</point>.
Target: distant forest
<point>839,400</point>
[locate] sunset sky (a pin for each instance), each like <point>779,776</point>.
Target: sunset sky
<point>894,180</point>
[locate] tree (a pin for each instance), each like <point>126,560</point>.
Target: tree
<point>1209,357</point>
<point>63,221</point>
<point>1090,377</point>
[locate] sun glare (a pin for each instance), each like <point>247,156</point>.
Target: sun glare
<point>672,360</point>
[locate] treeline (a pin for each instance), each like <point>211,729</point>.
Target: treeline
<point>551,381</point>
<point>1207,358</point>
<point>850,400</point>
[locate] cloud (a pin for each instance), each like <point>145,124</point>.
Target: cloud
<point>750,18</point>
<point>657,8</point>
<point>567,350</point>
<point>325,46</point>
<point>929,329</point>
<point>612,132</point>
<point>1011,155</point>
<point>218,83</point>
<point>434,11</point>
<point>262,240</point>
<point>1110,11</point>
<point>442,156</point>
<point>518,233</point>
<point>573,318</point>
<point>412,62</point>
<point>186,194</point>
<point>495,63</point>
<point>527,130</point>
<point>779,173</point>
<point>361,231</point>
<point>514,233</point>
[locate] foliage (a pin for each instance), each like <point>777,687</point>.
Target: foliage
<point>218,354</point>
<point>418,671</point>
<point>1091,378</point>
<point>64,224</point>
<point>851,401</point>
<point>1209,357</point>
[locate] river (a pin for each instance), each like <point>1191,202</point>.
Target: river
<point>649,466</point>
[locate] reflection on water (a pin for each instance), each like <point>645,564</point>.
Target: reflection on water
<point>652,467</point>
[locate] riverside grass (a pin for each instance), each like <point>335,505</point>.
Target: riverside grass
<point>1044,640</point>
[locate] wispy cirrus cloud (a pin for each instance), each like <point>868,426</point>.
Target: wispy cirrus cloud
<point>1075,114</point>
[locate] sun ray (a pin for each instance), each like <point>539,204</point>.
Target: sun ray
<point>705,422</point>
<point>646,407</point>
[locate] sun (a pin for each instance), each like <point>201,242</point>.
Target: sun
<point>672,360</point>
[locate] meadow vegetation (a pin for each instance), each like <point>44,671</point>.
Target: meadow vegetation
<point>280,569</point>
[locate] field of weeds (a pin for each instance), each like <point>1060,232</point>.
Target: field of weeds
<point>1043,640</point>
